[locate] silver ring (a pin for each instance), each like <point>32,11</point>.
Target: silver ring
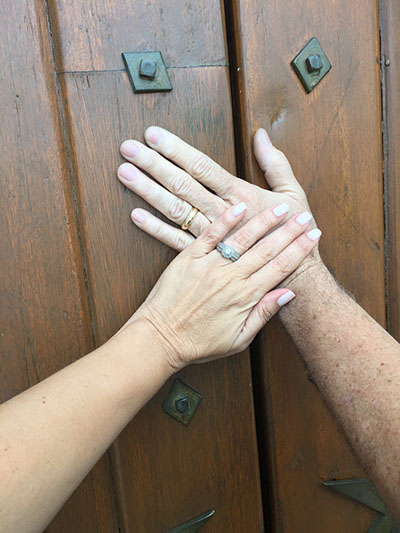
<point>227,251</point>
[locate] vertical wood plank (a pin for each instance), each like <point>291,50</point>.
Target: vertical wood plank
<point>390,18</point>
<point>43,312</point>
<point>166,473</point>
<point>333,139</point>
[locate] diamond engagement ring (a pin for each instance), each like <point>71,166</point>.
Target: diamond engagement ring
<point>228,251</point>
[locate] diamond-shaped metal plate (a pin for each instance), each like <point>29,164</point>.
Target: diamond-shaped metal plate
<point>142,84</point>
<point>179,391</point>
<point>311,79</point>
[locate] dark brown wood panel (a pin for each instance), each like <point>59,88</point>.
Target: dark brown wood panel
<point>43,312</point>
<point>91,35</point>
<point>333,139</point>
<point>390,11</point>
<point>166,473</point>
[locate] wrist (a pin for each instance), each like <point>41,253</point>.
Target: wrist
<point>311,267</point>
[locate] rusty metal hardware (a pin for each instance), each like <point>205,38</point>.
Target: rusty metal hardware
<point>311,64</point>
<point>363,491</point>
<point>181,402</point>
<point>147,72</point>
<point>193,525</point>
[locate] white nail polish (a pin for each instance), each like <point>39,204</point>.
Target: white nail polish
<point>238,209</point>
<point>280,210</point>
<point>314,234</point>
<point>285,298</point>
<point>304,218</point>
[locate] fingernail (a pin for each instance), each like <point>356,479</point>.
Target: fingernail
<point>265,135</point>
<point>304,218</point>
<point>129,149</point>
<point>127,172</point>
<point>285,298</point>
<point>153,135</point>
<point>314,234</point>
<point>280,210</point>
<point>138,215</point>
<point>238,209</point>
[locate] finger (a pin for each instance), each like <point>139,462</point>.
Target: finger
<point>173,178</point>
<point>217,230</point>
<point>256,227</point>
<point>286,262</point>
<point>173,237</point>
<point>262,312</point>
<point>274,243</point>
<point>274,164</point>
<point>168,204</point>
<point>197,164</point>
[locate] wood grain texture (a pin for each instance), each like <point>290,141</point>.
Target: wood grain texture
<point>92,35</point>
<point>166,473</point>
<point>390,12</point>
<point>333,139</point>
<point>43,312</point>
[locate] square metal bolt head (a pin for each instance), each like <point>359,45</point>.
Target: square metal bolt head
<point>147,72</point>
<point>311,64</point>
<point>181,402</point>
<point>147,68</point>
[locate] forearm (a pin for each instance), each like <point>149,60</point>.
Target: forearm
<point>53,434</point>
<point>356,365</point>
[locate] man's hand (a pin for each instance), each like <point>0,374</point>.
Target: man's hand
<point>186,178</point>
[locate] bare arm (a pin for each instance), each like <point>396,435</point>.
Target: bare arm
<point>52,434</point>
<point>356,365</point>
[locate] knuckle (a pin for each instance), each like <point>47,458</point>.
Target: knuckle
<point>181,184</point>
<point>177,210</point>
<point>266,313</point>
<point>179,243</point>
<point>283,264</point>
<point>293,229</point>
<point>245,239</point>
<point>201,166</point>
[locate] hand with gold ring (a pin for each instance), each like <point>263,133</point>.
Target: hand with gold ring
<point>211,301</point>
<point>182,177</point>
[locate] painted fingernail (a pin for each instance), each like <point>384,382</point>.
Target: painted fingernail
<point>285,298</point>
<point>153,135</point>
<point>138,215</point>
<point>129,149</point>
<point>238,209</point>
<point>127,172</point>
<point>280,210</point>
<point>304,218</point>
<point>314,234</point>
<point>266,138</point>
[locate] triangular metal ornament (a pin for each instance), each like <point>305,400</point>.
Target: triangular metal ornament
<point>363,491</point>
<point>193,525</point>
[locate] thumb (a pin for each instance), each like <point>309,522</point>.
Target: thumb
<point>274,164</point>
<point>263,311</point>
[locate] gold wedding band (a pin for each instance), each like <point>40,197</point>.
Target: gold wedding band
<point>189,219</point>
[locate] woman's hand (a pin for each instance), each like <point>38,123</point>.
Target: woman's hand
<point>183,184</point>
<point>205,306</point>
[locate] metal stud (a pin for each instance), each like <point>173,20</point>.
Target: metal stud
<point>181,402</point>
<point>147,72</point>
<point>311,64</point>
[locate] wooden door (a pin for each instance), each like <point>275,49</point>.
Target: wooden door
<point>73,267</point>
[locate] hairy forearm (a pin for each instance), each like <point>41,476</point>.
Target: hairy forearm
<point>52,434</point>
<point>356,365</point>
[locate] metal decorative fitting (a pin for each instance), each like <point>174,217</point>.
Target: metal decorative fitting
<point>193,525</point>
<point>181,402</point>
<point>363,491</point>
<point>311,64</point>
<point>147,72</point>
